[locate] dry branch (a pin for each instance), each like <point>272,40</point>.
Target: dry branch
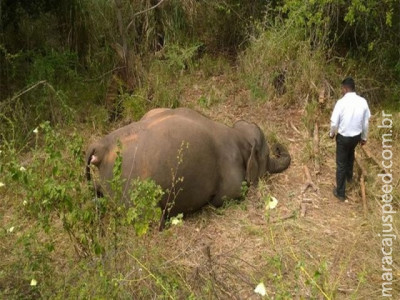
<point>309,182</point>
<point>303,209</point>
<point>307,200</point>
<point>144,11</point>
<point>285,217</point>
<point>316,149</point>
<point>294,128</point>
<point>362,185</point>
<point>20,93</point>
<point>321,97</point>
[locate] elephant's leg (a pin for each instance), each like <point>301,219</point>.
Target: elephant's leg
<point>217,200</point>
<point>228,189</point>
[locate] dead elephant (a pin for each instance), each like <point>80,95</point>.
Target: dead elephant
<point>215,159</point>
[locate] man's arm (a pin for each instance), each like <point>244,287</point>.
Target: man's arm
<point>335,118</point>
<point>364,133</point>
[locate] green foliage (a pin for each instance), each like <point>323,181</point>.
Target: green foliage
<point>55,67</point>
<point>214,65</point>
<point>135,105</point>
<point>51,184</point>
<point>280,62</point>
<point>310,116</point>
<point>144,208</point>
<point>180,58</point>
<point>356,29</point>
<point>54,196</point>
<point>244,189</point>
<point>164,87</point>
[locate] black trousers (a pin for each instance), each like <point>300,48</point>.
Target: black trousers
<point>345,160</point>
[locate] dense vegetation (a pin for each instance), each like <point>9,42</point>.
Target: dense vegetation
<point>118,55</point>
<point>69,67</point>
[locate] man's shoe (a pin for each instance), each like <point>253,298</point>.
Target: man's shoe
<point>341,198</point>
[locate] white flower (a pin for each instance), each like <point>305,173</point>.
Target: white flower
<point>260,289</point>
<point>24,203</point>
<point>36,130</point>
<point>33,282</point>
<point>271,203</point>
<point>11,229</point>
<point>176,221</point>
<point>22,169</point>
<point>2,184</point>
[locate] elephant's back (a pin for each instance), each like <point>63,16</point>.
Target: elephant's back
<point>176,151</point>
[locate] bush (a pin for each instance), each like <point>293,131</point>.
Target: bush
<point>54,200</point>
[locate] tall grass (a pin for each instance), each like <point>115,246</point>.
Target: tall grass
<point>280,62</point>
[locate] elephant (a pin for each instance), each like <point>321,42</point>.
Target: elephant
<point>215,158</point>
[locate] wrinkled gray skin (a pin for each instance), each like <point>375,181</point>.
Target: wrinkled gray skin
<point>218,158</point>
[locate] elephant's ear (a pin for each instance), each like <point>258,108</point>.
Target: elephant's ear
<point>252,166</point>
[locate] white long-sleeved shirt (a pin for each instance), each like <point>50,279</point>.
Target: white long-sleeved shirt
<point>350,116</point>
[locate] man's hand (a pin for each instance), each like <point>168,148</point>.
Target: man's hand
<point>332,135</point>
<point>363,142</point>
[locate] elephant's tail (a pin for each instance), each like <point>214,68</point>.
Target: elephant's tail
<point>282,160</point>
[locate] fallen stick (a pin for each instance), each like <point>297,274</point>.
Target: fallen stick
<point>307,200</point>
<point>294,128</point>
<point>362,185</point>
<point>303,209</point>
<point>309,182</point>
<point>317,166</point>
<point>294,140</point>
<point>285,217</point>
<point>321,96</point>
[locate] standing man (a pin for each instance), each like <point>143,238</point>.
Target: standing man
<point>349,123</point>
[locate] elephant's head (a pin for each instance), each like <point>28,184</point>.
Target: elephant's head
<point>254,150</point>
<point>258,156</point>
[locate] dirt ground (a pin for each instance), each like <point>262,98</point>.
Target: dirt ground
<point>321,249</point>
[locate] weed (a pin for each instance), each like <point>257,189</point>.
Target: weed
<point>180,58</point>
<point>174,190</point>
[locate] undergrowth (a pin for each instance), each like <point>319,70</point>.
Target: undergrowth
<point>53,202</point>
<point>59,241</point>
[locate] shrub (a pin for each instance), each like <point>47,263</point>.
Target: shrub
<point>51,191</point>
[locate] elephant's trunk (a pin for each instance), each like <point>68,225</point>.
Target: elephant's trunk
<point>282,160</point>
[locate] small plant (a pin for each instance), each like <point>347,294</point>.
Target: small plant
<point>203,101</point>
<point>310,115</point>
<point>181,58</point>
<point>174,190</point>
<point>244,189</point>
<point>178,220</point>
<point>145,197</point>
